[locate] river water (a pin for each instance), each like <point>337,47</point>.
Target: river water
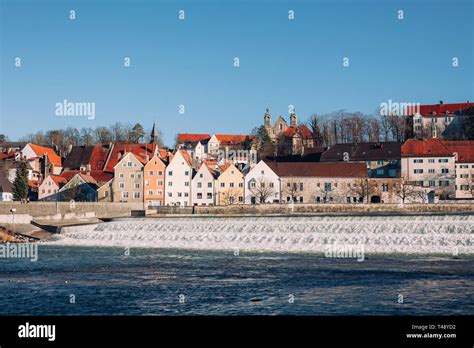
<point>411,265</point>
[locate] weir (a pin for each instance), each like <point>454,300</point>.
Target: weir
<point>445,234</point>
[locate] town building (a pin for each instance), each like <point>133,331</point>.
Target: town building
<point>127,185</point>
<point>429,164</point>
<point>48,190</point>
<point>81,188</point>
<point>306,182</point>
<point>437,120</point>
<point>230,186</point>
<point>6,189</point>
<point>382,158</point>
<point>262,185</point>
<point>154,182</point>
<point>203,185</point>
<point>178,176</point>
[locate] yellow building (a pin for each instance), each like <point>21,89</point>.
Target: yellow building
<point>230,186</point>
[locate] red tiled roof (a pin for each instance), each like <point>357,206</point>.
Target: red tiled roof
<point>87,178</point>
<point>232,139</point>
<point>33,183</point>
<point>439,109</point>
<point>98,175</point>
<point>58,179</point>
<point>186,157</point>
<point>303,130</point>
<point>186,137</point>
<point>141,151</point>
<point>429,147</point>
<point>319,169</point>
<point>52,156</point>
<point>9,155</point>
<point>463,148</point>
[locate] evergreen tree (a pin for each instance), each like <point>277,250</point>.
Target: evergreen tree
<point>20,184</point>
<point>137,133</point>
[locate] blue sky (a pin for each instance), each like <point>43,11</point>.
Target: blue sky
<point>190,62</point>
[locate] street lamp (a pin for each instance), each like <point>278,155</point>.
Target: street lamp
<point>13,210</point>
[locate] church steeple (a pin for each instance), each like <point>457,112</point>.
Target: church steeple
<point>154,135</point>
<point>293,119</point>
<point>267,119</point>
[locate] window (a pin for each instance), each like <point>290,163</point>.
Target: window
<point>432,183</point>
<point>170,173</point>
<point>170,194</point>
<point>121,175</point>
<point>139,175</point>
<point>159,193</point>
<point>170,183</point>
<point>418,171</point>
<point>124,194</point>
<point>129,164</point>
<point>241,199</point>
<point>186,194</point>
<point>443,160</point>
<point>150,193</point>
<point>209,184</point>
<point>199,195</point>
<point>136,195</point>
<point>444,170</point>
<point>132,176</point>
<point>418,161</point>
<point>186,173</point>
<point>105,194</point>
<point>318,184</point>
<point>147,182</point>
<point>464,166</point>
<point>200,175</point>
<point>431,160</point>
<point>384,187</point>
<point>272,185</point>
<point>262,172</point>
<point>431,171</point>
<point>159,182</point>
<point>222,184</point>
<point>209,195</point>
<point>301,186</point>
<point>150,172</point>
<point>392,173</point>
<point>199,184</point>
<point>186,183</point>
<point>379,171</point>
<point>121,185</point>
<point>137,186</point>
<point>327,186</point>
<point>231,184</point>
<point>160,172</point>
<point>179,194</point>
<point>379,162</point>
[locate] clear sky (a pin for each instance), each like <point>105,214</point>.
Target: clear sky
<point>191,62</point>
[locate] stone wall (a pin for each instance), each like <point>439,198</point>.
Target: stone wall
<point>41,209</point>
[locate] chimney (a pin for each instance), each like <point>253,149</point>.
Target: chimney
<point>45,166</point>
<point>88,169</point>
<point>440,102</point>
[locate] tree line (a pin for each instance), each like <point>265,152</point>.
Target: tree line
<point>87,136</point>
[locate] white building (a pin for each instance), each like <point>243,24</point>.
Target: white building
<point>440,167</point>
<point>178,178</point>
<point>262,185</point>
<point>203,186</point>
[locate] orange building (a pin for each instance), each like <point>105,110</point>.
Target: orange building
<point>154,176</point>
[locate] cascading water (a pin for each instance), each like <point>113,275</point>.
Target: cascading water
<point>444,234</point>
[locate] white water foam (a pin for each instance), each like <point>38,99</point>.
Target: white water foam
<point>444,234</point>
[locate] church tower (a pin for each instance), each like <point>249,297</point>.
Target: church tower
<point>293,119</point>
<point>154,135</point>
<point>267,119</point>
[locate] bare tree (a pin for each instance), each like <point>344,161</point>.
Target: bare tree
<point>291,189</point>
<point>87,136</point>
<point>406,190</point>
<point>262,190</point>
<point>373,130</point>
<point>103,135</point>
<point>363,188</point>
